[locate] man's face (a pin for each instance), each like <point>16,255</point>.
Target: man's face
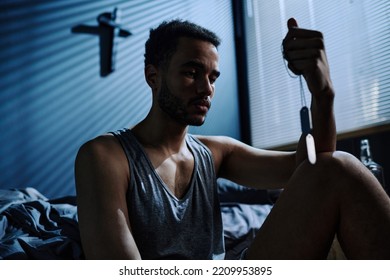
<point>187,84</point>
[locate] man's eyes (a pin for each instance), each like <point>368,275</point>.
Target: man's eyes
<point>191,74</point>
<point>194,75</point>
<point>213,79</point>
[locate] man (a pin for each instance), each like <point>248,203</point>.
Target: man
<point>150,191</point>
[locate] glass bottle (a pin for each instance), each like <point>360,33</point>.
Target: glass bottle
<point>367,160</point>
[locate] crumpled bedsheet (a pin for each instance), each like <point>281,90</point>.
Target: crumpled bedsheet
<point>241,223</point>
<point>33,227</point>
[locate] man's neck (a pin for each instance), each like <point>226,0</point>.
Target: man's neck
<point>160,134</point>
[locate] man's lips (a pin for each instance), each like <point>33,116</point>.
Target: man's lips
<point>205,103</point>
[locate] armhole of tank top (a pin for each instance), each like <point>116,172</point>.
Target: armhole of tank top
<point>119,136</point>
<point>196,140</point>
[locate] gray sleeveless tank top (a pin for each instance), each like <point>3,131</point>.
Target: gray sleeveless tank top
<point>163,226</point>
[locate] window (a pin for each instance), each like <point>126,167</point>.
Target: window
<point>357,40</point>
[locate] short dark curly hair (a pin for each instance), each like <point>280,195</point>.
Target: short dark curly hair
<point>163,40</point>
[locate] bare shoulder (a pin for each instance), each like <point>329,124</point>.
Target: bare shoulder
<point>105,147</point>
<point>102,159</point>
<point>220,146</point>
<point>224,147</point>
<point>219,143</point>
<point>100,144</point>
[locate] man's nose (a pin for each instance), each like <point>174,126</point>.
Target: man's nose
<point>205,87</point>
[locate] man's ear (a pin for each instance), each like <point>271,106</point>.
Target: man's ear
<point>151,76</point>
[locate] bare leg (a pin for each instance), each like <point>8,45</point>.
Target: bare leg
<point>339,196</point>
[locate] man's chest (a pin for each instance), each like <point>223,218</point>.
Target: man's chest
<point>175,171</point>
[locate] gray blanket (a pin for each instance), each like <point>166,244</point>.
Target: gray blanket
<point>33,227</point>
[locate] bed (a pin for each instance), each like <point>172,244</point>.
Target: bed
<point>35,227</point>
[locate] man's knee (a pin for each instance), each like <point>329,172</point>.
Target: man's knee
<point>335,168</point>
<point>338,162</point>
<point>345,169</point>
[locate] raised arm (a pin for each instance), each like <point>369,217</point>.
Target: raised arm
<point>305,52</point>
<point>101,182</point>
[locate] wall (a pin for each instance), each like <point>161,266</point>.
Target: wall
<point>52,98</point>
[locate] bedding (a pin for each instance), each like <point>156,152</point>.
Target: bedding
<point>243,212</point>
<point>34,227</point>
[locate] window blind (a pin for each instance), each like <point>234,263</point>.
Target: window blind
<point>357,40</point>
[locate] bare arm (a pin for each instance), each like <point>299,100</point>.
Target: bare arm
<point>305,53</point>
<point>101,183</point>
<point>249,166</point>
